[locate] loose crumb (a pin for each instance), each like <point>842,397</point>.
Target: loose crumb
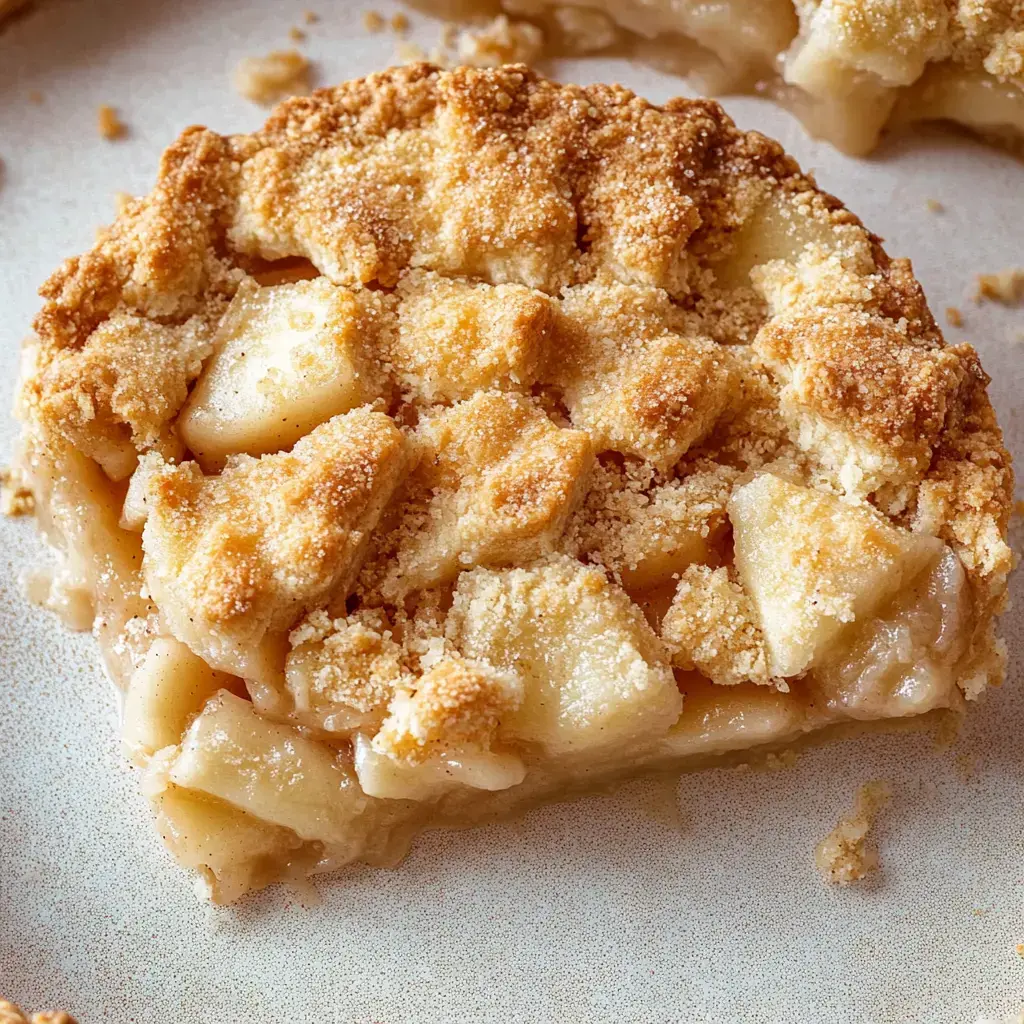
<point>110,126</point>
<point>16,497</point>
<point>934,206</point>
<point>121,201</point>
<point>502,41</point>
<point>310,17</point>
<point>296,35</point>
<point>846,854</point>
<point>268,79</point>
<point>399,23</point>
<point>954,316</point>
<point>1020,949</point>
<point>373,21</point>
<point>1005,286</point>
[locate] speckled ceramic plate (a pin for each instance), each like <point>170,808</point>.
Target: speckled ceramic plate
<point>657,904</point>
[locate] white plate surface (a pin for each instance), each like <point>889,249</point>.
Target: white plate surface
<point>613,909</point>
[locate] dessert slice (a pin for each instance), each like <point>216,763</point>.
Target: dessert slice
<point>848,69</point>
<point>484,440</point>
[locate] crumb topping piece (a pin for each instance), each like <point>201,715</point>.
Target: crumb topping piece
<point>712,626</point>
<point>495,485</point>
<point>234,557</point>
<point>847,854</point>
<point>11,1014</point>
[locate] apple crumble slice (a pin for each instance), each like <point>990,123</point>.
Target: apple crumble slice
<point>461,440</point>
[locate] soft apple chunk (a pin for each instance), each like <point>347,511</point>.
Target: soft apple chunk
<point>165,692</point>
<point>595,676</point>
<point>232,851</point>
<point>270,771</point>
<point>287,358</point>
<point>813,564</point>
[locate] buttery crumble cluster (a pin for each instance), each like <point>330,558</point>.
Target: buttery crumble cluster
<point>453,403</point>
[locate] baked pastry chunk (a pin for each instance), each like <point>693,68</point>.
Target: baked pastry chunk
<point>462,439</point>
<point>846,68</point>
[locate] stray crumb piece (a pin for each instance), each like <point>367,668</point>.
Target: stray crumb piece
<point>16,497</point>
<point>934,206</point>
<point>846,855</point>
<point>35,96</point>
<point>373,22</point>
<point>954,316</point>
<point>266,80</point>
<point>109,124</point>
<point>501,42</point>
<point>121,201</point>
<point>1005,286</point>
<point>310,17</point>
<point>11,1014</point>
<point>296,35</point>
<point>1020,949</point>
<point>399,23</point>
<point>449,35</point>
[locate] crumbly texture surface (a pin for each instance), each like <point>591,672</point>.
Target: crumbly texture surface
<point>470,418</point>
<point>1004,286</point>
<point>848,854</point>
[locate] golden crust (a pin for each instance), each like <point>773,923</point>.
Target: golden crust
<point>11,1014</point>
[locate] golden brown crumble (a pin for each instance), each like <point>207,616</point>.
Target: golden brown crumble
<point>934,206</point>
<point>847,854</point>
<point>310,17</point>
<point>296,35</point>
<point>266,80</point>
<point>109,124</point>
<point>373,21</point>
<point>1005,286</point>
<point>501,41</point>
<point>954,317</point>
<point>399,23</point>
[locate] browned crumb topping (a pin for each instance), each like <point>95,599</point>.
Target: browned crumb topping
<point>109,124</point>
<point>16,497</point>
<point>266,80</point>
<point>296,35</point>
<point>11,1014</point>
<point>1020,949</point>
<point>847,854</point>
<point>1005,286</point>
<point>934,206</point>
<point>954,317</point>
<point>399,23</point>
<point>310,17</point>
<point>373,21</point>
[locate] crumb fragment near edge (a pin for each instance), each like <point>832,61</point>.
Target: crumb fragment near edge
<point>373,21</point>
<point>954,317</point>
<point>279,74</point>
<point>109,125</point>
<point>1004,286</point>
<point>847,854</point>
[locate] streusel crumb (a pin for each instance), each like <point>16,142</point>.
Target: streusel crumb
<point>266,80</point>
<point>954,317</point>
<point>16,497</point>
<point>109,124</point>
<point>502,41</point>
<point>847,854</point>
<point>373,21</point>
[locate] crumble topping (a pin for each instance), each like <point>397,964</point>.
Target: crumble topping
<point>16,497</point>
<point>847,854</point>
